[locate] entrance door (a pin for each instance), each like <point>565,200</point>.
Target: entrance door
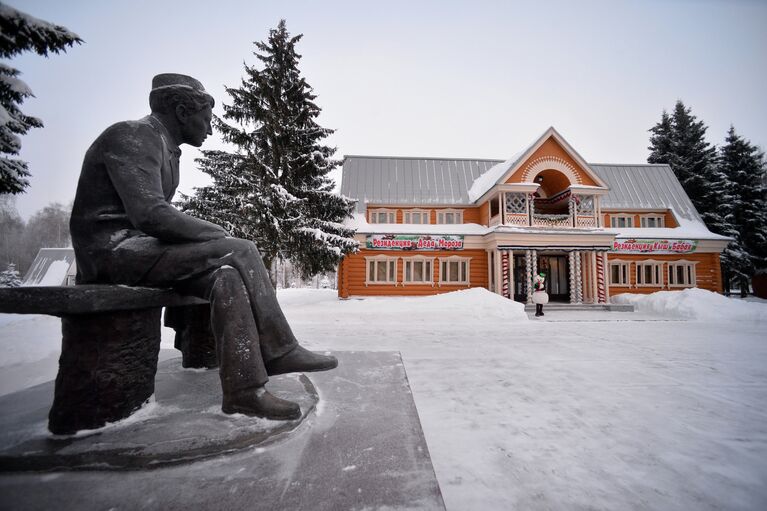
<point>520,279</point>
<point>557,281</point>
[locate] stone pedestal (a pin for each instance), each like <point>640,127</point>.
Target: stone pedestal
<point>107,368</point>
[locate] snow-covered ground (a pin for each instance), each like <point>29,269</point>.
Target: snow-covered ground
<point>663,408</point>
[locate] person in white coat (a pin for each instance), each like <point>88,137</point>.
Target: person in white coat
<point>540,296</point>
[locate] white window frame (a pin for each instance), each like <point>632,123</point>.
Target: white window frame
<point>391,278</point>
<point>657,272</point>
<point>408,216</point>
<point>453,259</point>
<point>457,216</point>
<point>625,271</point>
<point>660,220</point>
<point>409,263</point>
<point>391,215</point>
<point>689,273</point>
<point>628,220</point>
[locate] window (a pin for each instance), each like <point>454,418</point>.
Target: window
<point>619,273</point>
<point>652,221</point>
<point>495,206</point>
<point>681,274</point>
<point>450,216</point>
<point>381,270</point>
<point>454,270</point>
<point>417,216</point>
<point>418,270</point>
<point>649,273</point>
<point>383,216</point>
<point>621,221</point>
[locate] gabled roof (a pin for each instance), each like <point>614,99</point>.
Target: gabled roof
<point>440,181</point>
<point>503,171</point>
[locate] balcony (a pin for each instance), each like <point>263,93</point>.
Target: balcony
<point>521,211</point>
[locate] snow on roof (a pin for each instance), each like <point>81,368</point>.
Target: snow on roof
<point>645,186</point>
<point>487,180</point>
<point>403,180</point>
<point>50,267</point>
<point>362,226</point>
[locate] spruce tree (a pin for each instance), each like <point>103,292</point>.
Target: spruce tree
<point>661,140</point>
<point>744,166</point>
<point>275,188</point>
<point>10,277</point>
<point>21,32</point>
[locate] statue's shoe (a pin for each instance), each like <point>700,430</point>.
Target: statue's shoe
<point>260,403</point>
<point>300,360</point>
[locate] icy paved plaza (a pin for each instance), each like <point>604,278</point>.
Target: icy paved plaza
<point>578,411</point>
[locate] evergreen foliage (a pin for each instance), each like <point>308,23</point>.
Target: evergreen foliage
<point>744,167</point>
<point>10,277</point>
<point>275,188</point>
<point>21,32</point>
<point>680,141</point>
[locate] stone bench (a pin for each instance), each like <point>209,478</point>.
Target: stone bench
<point>109,348</point>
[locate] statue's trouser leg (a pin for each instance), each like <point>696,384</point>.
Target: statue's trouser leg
<point>184,261</point>
<point>241,365</point>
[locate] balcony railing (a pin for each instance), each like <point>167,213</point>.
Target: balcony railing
<point>542,220</point>
<point>555,221</point>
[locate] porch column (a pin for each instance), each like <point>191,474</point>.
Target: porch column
<point>511,274</point>
<point>573,292</point>
<point>505,276</point>
<point>601,287</point>
<point>529,264</point>
<point>498,272</point>
<point>578,278</point>
<point>593,260</point>
<point>572,210</point>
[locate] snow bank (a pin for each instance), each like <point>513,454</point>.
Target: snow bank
<point>696,304</point>
<point>468,305</point>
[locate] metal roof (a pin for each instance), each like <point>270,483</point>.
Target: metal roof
<point>401,180</point>
<point>51,267</point>
<point>648,186</point>
<point>433,181</point>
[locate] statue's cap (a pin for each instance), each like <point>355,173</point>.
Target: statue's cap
<point>164,80</point>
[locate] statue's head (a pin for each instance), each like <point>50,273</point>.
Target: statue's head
<point>183,99</point>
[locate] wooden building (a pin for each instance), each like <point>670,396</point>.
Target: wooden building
<point>432,225</point>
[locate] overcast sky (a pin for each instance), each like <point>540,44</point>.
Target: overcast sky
<point>474,79</point>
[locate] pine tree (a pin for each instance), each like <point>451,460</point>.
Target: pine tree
<point>21,32</point>
<point>744,167</point>
<point>275,188</point>
<point>10,277</point>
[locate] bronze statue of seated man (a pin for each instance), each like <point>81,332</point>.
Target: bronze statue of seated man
<point>125,231</point>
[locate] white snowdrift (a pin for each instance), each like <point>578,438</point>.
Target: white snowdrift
<point>468,305</point>
<point>696,304</point>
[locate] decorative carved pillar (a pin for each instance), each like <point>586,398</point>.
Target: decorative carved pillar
<point>505,273</point>
<point>578,277</point>
<point>601,287</point>
<point>511,274</point>
<point>530,208</point>
<point>573,292</point>
<point>593,261</point>
<point>529,273</point>
<point>571,207</point>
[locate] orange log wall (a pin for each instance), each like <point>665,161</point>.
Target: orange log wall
<point>708,274</point>
<point>668,218</point>
<point>351,274</point>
